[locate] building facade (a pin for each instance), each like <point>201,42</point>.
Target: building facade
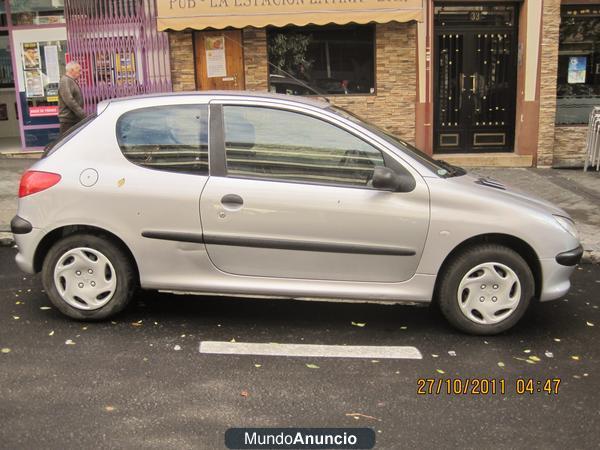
<point>490,83</point>
<point>477,83</point>
<point>116,42</point>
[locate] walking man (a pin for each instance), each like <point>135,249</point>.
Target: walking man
<point>70,99</point>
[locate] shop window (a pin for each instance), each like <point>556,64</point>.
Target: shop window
<point>6,73</point>
<point>37,12</point>
<point>42,64</point>
<point>169,138</point>
<point>329,60</point>
<point>278,145</point>
<point>578,89</point>
<point>3,22</point>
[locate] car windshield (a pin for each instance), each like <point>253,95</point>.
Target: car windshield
<point>439,167</point>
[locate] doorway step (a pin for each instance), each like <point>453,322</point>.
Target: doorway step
<point>486,159</point>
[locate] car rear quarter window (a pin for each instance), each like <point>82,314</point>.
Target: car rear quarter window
<point>172,138</point>
<point>274,144</point>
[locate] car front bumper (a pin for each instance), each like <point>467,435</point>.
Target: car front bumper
<point>556,273</point>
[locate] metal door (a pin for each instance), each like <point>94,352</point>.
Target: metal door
<point>307,230</point>
<point>475,79</point>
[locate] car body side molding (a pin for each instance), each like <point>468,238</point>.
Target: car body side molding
<point>281,244</point>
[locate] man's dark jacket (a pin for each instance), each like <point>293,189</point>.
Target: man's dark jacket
<point>70,101</point>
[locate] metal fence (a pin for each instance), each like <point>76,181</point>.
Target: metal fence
<point>592,157</point>
<point>120,51</point>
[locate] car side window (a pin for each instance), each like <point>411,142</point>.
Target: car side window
<point>274,144</point>
<point>172,138</point>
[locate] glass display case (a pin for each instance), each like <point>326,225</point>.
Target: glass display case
<point>578,83</point>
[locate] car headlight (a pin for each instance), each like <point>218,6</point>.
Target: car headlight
<point>568,225</point>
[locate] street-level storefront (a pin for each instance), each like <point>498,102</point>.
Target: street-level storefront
<point>360,55</point>
<point>116,43</point>
<point>443,75</point>
<point>33,44</point>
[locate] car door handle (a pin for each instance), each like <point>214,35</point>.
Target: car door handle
<point>232,200</point>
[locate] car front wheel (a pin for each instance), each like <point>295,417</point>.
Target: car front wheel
<point>485,289</point>
<point>88,277</point>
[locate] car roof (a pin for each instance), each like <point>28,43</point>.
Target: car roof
<point>311,101</point>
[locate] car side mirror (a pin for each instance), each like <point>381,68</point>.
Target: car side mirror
<point>386,179</point>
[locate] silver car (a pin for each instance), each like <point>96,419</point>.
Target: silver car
<point>269,195</point>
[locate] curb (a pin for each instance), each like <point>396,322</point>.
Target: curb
<point>6,240</point>
<point>589,256</point>
<point>21,154</point>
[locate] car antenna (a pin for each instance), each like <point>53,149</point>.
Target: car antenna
<point>307,86</point>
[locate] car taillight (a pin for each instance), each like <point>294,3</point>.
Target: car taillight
<point>33,181</point>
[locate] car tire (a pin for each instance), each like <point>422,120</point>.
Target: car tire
<point>485,290</point>
<point>88,277</point>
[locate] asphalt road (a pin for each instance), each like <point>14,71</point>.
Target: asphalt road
<point>124,384</point>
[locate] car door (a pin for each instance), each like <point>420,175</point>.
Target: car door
<point>293,200</point>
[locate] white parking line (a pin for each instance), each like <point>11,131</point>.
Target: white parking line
<point>308,350</point>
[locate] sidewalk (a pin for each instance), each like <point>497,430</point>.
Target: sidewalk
<point>573,190</point>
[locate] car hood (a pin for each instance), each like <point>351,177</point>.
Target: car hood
<point>502,191</point>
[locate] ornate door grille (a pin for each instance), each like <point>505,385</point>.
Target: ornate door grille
<point>119,48</point>
<point>475,84</point>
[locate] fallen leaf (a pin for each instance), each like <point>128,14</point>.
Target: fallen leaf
<point>374,360</point>
<point>5,350</point>
<point>109,408</point>
<point>232,340</point>
<point>528,361</point>
<point>439,371</point>
<point>556,339</point>
<point>451,352</point>
<point>404,328</point>
<point>526,351</point>
<point>358,324</point>
<point>433,355</point>
<point>589,324</point>
<point>257,365</point>
<point>534,358</point>
<point>84,328</point>
<point>51,333</point>
<point>359,415</point>
<point>312,366</point>
<point>16,317</point>
<point>177,348</point>
<point>244,394</point>
<point>576,358</point>
<point>121,182</point>
<point>45,307</point>
<point>69,342</point>
<point>136,324</point>
<point>500,364</point>
<point>549,354</point>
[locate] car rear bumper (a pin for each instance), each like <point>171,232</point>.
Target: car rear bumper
<point>26,246</point>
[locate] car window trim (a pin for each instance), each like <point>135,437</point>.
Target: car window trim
<point>220,155</point>
<point>217,163</point>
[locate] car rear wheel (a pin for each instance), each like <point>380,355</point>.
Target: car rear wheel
<point>485,289</point>
<point>88,277</point>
